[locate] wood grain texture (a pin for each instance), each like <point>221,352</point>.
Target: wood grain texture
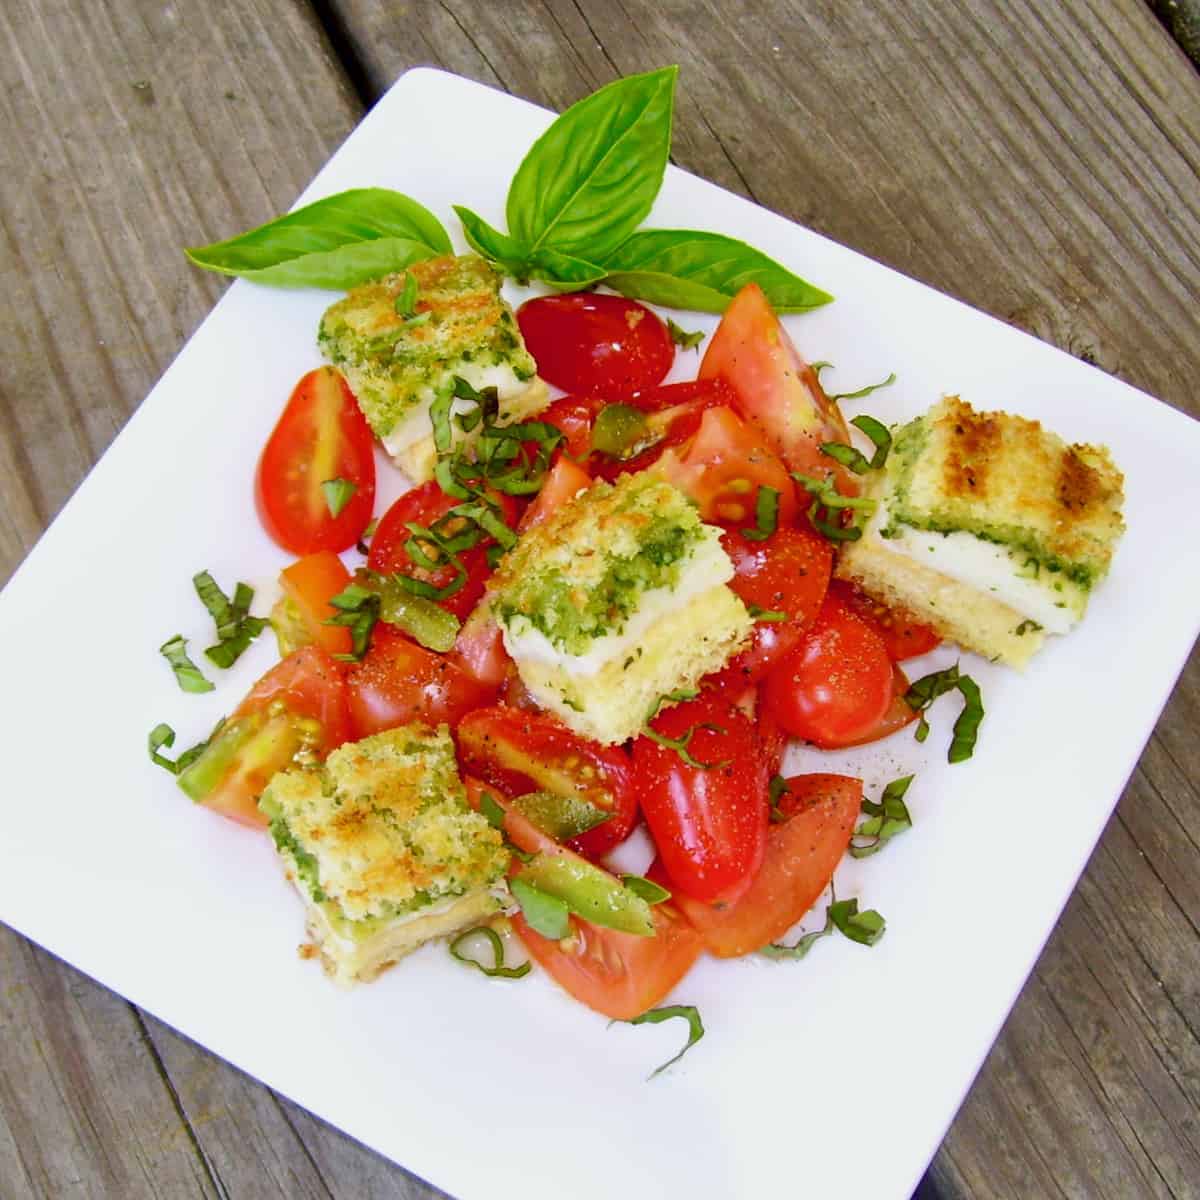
<point>1039,161</point>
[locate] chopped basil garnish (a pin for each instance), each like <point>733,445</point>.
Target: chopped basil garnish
<point>497,970</point>
<point>490,807</point>
<point>338,493</point>
<point>885,819</point>
<point>802,945</point>
<point>877,431</point>
<point>163,735</point>
<point>1026,627</point>
<point>866,928</point>
<point>363,543</point>
<point>439,416</point>
<point>682,338</point>
<point>688,1012</point>
<point>848,456</point>
<point>766,515</point>
<point>406,301</point>
<point>187,674</point>
<point>649,891</point>
<point>358,610</point>
<point>775,791</point>
<point>236,629</point>
<point>966,728</point>
<point>680,745</point>
<point>866,391</point>
<point>827,500</point>
<point>675,697</point>
<point>619,429</point>
<point>766,614</point>
<point>547,915</point>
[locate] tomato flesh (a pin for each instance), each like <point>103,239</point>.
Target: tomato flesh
<point>520,751</point>
<point>801,854</point>
<point>299,704</point>
<point>596,344</point>
<point>836,685</point>
<point>310,584</point>
<point>321,437</point>
<point>776,389</point>
<point>903,635</point>
<point>399,682</point>
<point>565,481</point>
<point>709,822</point>
<point>620,975</point>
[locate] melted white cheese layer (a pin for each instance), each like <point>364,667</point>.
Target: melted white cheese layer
<point>415,425</point>
<point>706,568</point>
<point>986,567</point>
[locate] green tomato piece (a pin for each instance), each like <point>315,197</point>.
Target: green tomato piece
<point>562,817</point>
<point>589,892</point>
<point>618,429</point>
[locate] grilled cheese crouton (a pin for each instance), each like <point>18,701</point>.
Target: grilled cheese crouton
<point>396,363</point>
<point>615,601</point>
<point>384,849</point>
<point>990,528</point>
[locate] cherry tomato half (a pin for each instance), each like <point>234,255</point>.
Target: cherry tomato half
<point>399,682</point>
<point>903,635</point>
<point>520,751</point>
<point>836,685</point>
<point>800,858</point>
<point>321,437</point>
<point>596,344</point>
<point>709,821</point>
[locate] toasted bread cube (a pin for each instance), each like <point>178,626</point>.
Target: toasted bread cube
<point>397,364</point>
<point>617,600</point>
<point>384,849</point>
<point>990,528</point>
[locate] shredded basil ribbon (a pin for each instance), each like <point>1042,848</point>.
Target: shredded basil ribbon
<point>236,629</point>
<point>766,515</point>
<point>885,819</point>
<point>163,735</point>
<point>687,1012</point>
<point>545,914</point>
<point>776,790</point>
<point>766,614</point>
<point>358,610</point>
<point>866,928</point>
<point>497,970</point>
<point>338,493</point>
<point>680,745</point>
<point>928,688</point>
<point>406,301</point>
<point>826,499</point>
<point>187,674</point>
<point>682,338</point>
<point>854,459</point>
<point>865,391</point>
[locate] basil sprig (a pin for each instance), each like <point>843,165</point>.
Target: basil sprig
<point>966,728</point>
<point>337,242</point>
<point>187,674</point>
<point>826,506</point>
<point>236,628</point>
<point>687,1012</point>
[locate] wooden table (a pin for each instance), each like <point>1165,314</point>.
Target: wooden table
<point>1039,159</point>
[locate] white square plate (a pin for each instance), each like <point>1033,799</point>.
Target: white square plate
<point>846,1066</point>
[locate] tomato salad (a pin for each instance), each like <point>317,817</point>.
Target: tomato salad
<point>741,854</point>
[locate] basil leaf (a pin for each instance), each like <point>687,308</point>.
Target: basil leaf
<point>505,253</point>
<point>497,970</point>
<point>225,653</point>
<point>802,945</point>
<point>406,302</point>
<point>689,268</point>
<point>680,745</point>
<point>766,614</point>
<point>682,338</point>
<point>163,735</point>
<point>591,178</point>
<point>885,819</point>
<point>358,610</point>
<point>866,928</point>
<point>766,515</point>
<point>688,1012</point>
<point>219,607</point>
<point>966,728</point>
<point>187,674</point>
<point>490,807</point>
<point>877,431</point>
<point>649,891</point>
<point>333,243</point>
<point>546,914</point>
<point>338,492</point>
<point>847,455</point>
<point>865,391</point>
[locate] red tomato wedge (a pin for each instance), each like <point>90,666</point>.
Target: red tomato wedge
<point>776,389</point>
<point>321,437</point>
<point>835,686</point>
<point>897,715</point>
<point>903,635</point>
<point>799,862</point>
<point>596,345</point>
<point>425,506</point>
<point>518,828</point>
<point>479,649</point>
<point>565,481</point>
<point>574,417</point>
<point>310,584</point>
<point>520,751</point>
<point>722,468</point>
<point>300,704</point>
<point>620,975</point>
<point>787,573</point>
<point>709,822</point>
<point>399,681</point>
